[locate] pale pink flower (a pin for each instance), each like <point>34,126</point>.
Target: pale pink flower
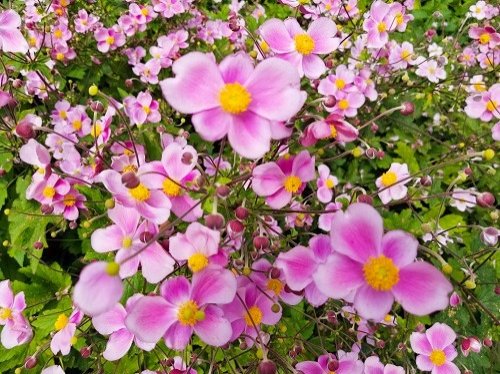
<point>11,39</point>
<point>392,184</point>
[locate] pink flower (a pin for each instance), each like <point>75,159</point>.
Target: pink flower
<point>174,176</point>
<point>149,71</point>
<point>342,80</point>
<point>64,338</point>
<point>85,22</point>
<point>35,154</point>
<point>197,246</point>
<point>184,308</point>
<point>279,181</point>
<point>392,184</point>
<point>470,344</point>
<point>374,269</point>
<point>168,8</point>
<point>485,105</point>
<point>11,39</point>
<point>333,127</point>
<point>248,311</point>
<point>381,20</point>
<point>99,288</point>
<point>325,183</point>
<point>487,37</point>
<point>112,323</point>
<point>431,70</point>
<point>374,366</point>
<point>348,363</point>
<point>54,369</point>
<point>462,199</point>
<point>70,204</point>
<point>49,190</point>
<point>299,265</point>
<point>16,329</point>
<point>234,98</point>
<point>348,103</point>
<point>435,349</point>
<point>495,132</point>
<point>291,43</point>
<point>153,205</point>
<point>125,236</point>
<point>109,39</point>
<point>142,109</point>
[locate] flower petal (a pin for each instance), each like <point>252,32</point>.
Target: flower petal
<point>400,246</point>
<point>373,304</point>
<point>214,330</point>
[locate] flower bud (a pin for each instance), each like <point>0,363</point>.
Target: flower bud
<point>366,199</point>
<point>261,242</point>
<point>235,226</point>
<point>486,200</point>
<point>371,153</point>
<point>408,108</point>
<point>223,191</point>
<point>85,352</point>
<point>38,244</point>
<point>267,367</point>
<point>17,83</point>
<point>214,221</point>
<point>146,236</point>
<point>330,101</point>
<point>130,180</point>
<point>97,107</point>
<point>25,130</point>
<point>333,365</point>
<point>187,158</point>
<point>426,181</point>
<point>30,362</point>
<point>275,273</point>
<point>487,342</point>
<point>46,209</point>
<point>241,213</point>
<point>332,317</point>
<point>129,83</point>
<point>455,300</point>
<point>489,236</point>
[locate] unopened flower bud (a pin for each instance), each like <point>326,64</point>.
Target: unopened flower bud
<point>371,153</point>
<point>130,180</point>
<point>187,158</point>
<point>486,200</point>
<point>366,199</point>
<point>25,130</point>
<point>408,108</point>
<point>146,236</point>
<point>487,342</point>
<point>46,209</point>
<point>261,242</point>
<point>129,83</point>
<point>30,362</point>
<point>426,181</point>
<point>275,273</point>
<point>455,300</point>
<point>241,213</point>
<point>235,226</point>
<point>38,244</point>
<point>214,221</point>
<point>223,191</point>
<point>85,352</point>
<point>330,101</point>
<point>97,106</point>
<point>267,367</point>
<point>489,236</point>
<point>333,365</point>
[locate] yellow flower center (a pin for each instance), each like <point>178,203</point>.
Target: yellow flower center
<point>340,83</point>
<point>112,268</point>
<point>59,56</point>
<point>234,98</point>
<point>333,131</point>
<point>126,242</point>
<point>77,124</point>
<point>69,200</point>
<point>389,178</point>
<point>170,188</point>
<point>189,313</point>
<point>197,262</point>
<point>381,27</point>
<point>343,104</point>
<point>144,11</point>
<point>484,38</point>
<point>292,183</point>
<point>32,41</point>
<point>480,87</point>
<point>304,44</point>
<point>146,109</point>
<point>405,54</point>
<point>264,46</point>
<point>61,322</point>
<point>253,316</point>
<point>388,318</point>
<point>96,130</point>
<point>491,105</point>
<point>129,169</point>
<point>140,193</point>
<point>400,19</point>
<point>5,313</point>
<point>58,34</point>
<point>329,183</point>
<point>49,192</point>
<point>380,273</point>
<point>275,285</point>
<point>110,40</point>
<point>437,357</point>
<point>128,152</point>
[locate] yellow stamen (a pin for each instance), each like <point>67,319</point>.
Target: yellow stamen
<point>234,98</point>
<point>389,178</point>
<point>61,322</point>
<point>304,44</point>
<point>485,38</point>
<point>49,192</point>
<point>340,84</point>
<point>197,262</point>
<point>292,183</point>
<point>140,193</point>
<point>127,242</point>
<point>275,285</point>
<point>343,104</point>
<point>381,27</point>
<point>110,40</point>
<point>380,273</point>
<point>437,357</point>
<point>253,316</point>
<point>189,314</point>
<point>69,200</point>
<point>170,188</point>
<point>491,105</point>
<point>5,313</point>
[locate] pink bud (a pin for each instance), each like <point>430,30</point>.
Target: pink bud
<point>236,226</point>
<point>130,180</point>
<point>487,342</point>
<point>408,108</point>
<point>241,213</point>
<point>25,130</point>
<point>489,236</point>
<point>267,367</point>
<point>85,352</point>
<point>426,181</point>
<point>187,158</point>
<point>371,153</point>
<point>38,244</point>
<point>455,300</point>
<point>214,221</point>
<point>30,362</point>
<point>46,209</point>
<point>333,365</point>
<point>486,200</point>
<point>223,191</point>
<point>261,242</point>
<point>366,199</point>
<point>129,83</point>
<point>274,273</point>
<point>330,101</point>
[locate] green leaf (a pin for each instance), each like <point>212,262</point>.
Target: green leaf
<point>408,156</point>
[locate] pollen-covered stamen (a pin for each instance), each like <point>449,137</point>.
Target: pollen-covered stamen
<point>234,98</point>
<point>491,105</point>
<point>96,130</point>
<point>110,40</point>
<point>275,285</point>
<point>61,322</point>
<point>438,357</point>
<point>389,178</point>
<point>329,183</point>
<point>253,316</point>
<point>127,242</point>
<point>140,193</point>
<point>197,262</point>
<point>77,124</point>
<point>170,188</point>
<point>304,44</point>
<point>189,314</point>
<point>49,192</point>
<point>292,183</point>
<point>112,268</point>
<point>340,83</point>
<point>333,131</point>
<point>380,273</point>
<point>344,104</point>
<point>382,27</point>
<point>484,38</point>
<point>69,200</point>
<point>5,313</point>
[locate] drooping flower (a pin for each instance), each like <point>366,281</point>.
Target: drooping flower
<point>374,268</point>
<point>462,199</point>
<point>184,308</point>
<point>16,329</point>
<point>234,98</point>
<point>112,323</point>
<point>435,349</point>
<point>291,43</point>
<point>99,288</point>
<point>374,366</point>
<point>279,181</point>
<point>11,39</point>
<point>392,184</point>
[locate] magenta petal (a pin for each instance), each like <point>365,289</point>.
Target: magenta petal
<point>298,265</point>
<point>177,336</point>
<point>236,68</point>
<point>212,124</point>
<point>313,66</point>
<point>196,85</point>
<point>373,304</point>
<point>338,276</point>
<point>250,135</point>
<point>279,199</point>
<point>422,289</point>
<point>97,292</point>
<point>446,368</point>
<point>214,330</point>
<point>110,321</point>
<point>107,239</point>
<point>440,336</point>
<point>213,286</point>
<point>176,290</point>
<point>313,295</point>
<point>420,344</point>
<point>156,263</point>
<point>303,166</point>
<point>310,367</point>
<point>276,35</point>
<point>400,246</point>
<point>323,31</point>
<point>118,345</point>
<point>267,179</point>
<point>149,318</point>
<point>357,232</point>
<point>172,160</point>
